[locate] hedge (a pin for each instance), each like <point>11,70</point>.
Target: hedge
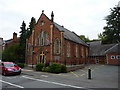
<point>20,65</point>
<point>39,66</point>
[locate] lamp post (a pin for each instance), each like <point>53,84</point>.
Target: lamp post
<point>32,57</point>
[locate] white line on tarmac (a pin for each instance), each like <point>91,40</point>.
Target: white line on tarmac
<point>26,70</point>
<point>52,82</point>
<point>11,84</point>
<point>44,75</point>
<point>74,74</point>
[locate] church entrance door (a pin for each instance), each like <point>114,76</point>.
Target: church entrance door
<point>42,57</point>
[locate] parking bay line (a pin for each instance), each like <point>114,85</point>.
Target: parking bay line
<point>74,74</point>
<point>11,84</point>
<point>52,82</point>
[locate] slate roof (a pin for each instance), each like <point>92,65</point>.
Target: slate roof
<point>9,41</point>
<point>70,35</point>
<point>98,49</point>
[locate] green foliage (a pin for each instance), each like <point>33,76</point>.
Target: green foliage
<point>53,68</point>
<point>57,68</point>
<point>111,33</point>
<point>39,66</point>
<point>31,27</point>
<point>63,68</point>
<point>84,38</point>
<point>20,65</point>
<point>46,69</point>
<point>11,53</point>
<point>23,35</point>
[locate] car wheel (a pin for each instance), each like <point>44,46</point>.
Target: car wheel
<point>19,73</point>
<point>4,73</point>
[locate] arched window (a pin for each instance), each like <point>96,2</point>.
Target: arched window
<point>82,51</point>
<point>57,46</point>
<point>37,39</point>
<point>46,39</point>
<point>86,52</point>
<point>68,50</point>
<point>42,38</point>
<point>76,50</point>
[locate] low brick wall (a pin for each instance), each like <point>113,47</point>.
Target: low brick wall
<point>74,67</point>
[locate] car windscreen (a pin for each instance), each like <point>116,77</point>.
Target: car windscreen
<point>9,64</point>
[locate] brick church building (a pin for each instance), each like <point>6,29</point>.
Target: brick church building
<point>51,42</point>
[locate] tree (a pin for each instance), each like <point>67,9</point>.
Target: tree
<point>84,38</point>
<point>23,35</point>
<point>31,27</point>
<point>111,32</point>
<point>11,53</point>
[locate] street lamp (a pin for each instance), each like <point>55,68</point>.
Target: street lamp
<point>32,58</point>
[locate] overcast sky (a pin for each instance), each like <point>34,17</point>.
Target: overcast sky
<point>84,17</point>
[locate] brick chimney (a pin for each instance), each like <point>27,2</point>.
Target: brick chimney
<point>14,36</point>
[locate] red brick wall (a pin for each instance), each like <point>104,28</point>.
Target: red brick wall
<point>114,61</point>
<point>73,59</point>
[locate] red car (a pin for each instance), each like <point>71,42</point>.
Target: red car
<point>7,68</point>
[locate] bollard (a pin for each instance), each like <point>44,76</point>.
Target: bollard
<point>89,73</point>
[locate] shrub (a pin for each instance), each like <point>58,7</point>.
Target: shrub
<point>20,65</point>
<point>39,66</point>
<point>63,68</point>
<point>46,69</point>
<point>55,68</point>
<point>43,69</point>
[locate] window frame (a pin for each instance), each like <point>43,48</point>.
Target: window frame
<point>57,46</point>
<point>68,50</point>
<point>112,57</point>
<point>118,57</point>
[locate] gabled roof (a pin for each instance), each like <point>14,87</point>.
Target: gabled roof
<point>70,35</point>
<point>9,41</point>
<point>67,34</point>
<point>98,49</point>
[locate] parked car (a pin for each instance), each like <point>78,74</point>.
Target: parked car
<point>7,68</point>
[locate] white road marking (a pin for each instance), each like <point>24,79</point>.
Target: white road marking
<point>44,76</point>
<point>26,70</point>
<point>82,74</point>
<point>74,74</point>
<point>11,84</point>
<point>52,82</point>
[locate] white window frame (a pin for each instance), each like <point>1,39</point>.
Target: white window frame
<point>118,57</point>
<point>113,56</point>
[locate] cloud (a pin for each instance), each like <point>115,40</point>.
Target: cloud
<point>85,17</point>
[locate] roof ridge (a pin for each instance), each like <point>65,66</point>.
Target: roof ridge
<point>111,48</point>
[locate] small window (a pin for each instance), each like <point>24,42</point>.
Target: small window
<point>42,23</point>
<point>112,57</point>
<point>118,57</point>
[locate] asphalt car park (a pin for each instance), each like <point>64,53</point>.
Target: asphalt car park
<point>103,76</point>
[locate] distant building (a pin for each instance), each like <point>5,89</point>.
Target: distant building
<point>12,41</point>
<point>104,53</point>
<point>1,48</point>
<point>51,42</point>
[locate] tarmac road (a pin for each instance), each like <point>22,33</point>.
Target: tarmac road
<point>103,76</point>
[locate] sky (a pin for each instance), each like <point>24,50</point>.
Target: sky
<point>84,17</point>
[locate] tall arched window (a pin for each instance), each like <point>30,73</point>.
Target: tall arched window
<point>76,50</point>
<point>57,46</point>
<point>37,39</point>
<point>82,51</point>
<point>68,50</point>
<point>44,40</point>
